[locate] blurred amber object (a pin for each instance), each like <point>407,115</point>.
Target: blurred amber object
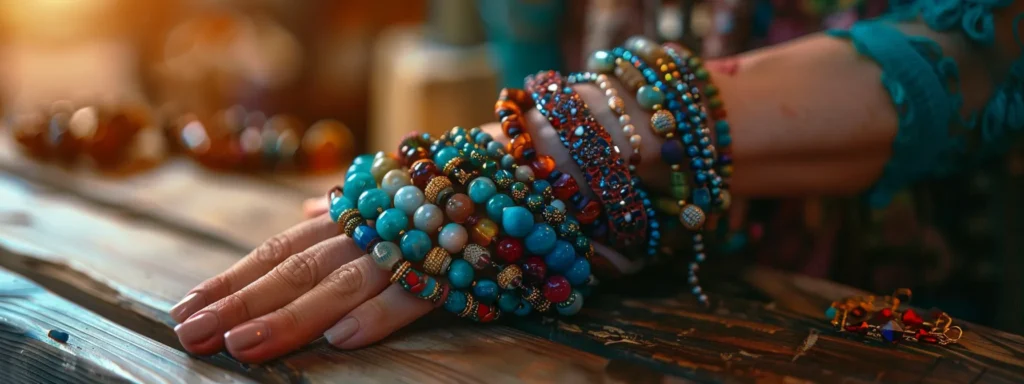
<point>211,150</point>
<point>327,145</point>
<point>29,131</point>
<point>115,130</point>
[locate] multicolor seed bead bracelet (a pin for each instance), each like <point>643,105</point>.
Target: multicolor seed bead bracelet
<point>597,156</point>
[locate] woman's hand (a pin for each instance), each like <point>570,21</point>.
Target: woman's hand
<point>306,282</point>
<point>311,280</point>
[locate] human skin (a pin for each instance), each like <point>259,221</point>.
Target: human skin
<point>809,118</point>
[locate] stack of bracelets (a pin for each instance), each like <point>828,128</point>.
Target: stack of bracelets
<point>482,228</point>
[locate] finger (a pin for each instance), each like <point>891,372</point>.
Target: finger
<point>257,263</point>
<point>306,318</point>
<point>201,333</point>
<point>377,318</point>
<point>315,207</point>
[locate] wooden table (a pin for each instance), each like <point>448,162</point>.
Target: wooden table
<point>102,261</point>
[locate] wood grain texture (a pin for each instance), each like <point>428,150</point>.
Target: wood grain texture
<point>128,264</point>
<point>96,351</point>
<point>132,271</point>
<point>180,195</point>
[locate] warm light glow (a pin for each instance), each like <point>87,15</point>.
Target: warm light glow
<point>52,18</point>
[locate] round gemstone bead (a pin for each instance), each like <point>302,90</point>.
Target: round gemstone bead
<point>571,306</point>
<point>509,301</point>
<point>541,239</point>
<point>486,290</point>
<point>456,302</point>
<point>460,274</point>
<point>446,154</point>
<point>561,256</point>
<point>534,269</point>
<point>601,62</point>
<point>459,207</point>
<point>591,210</point>
<point>338,205</point>
<point>557,289</point>
<point>422,171</point>
<point>481,189</point>
<point>415,244</point>
<point>386,254</point>
<point>365,159</point>
<point>524,308</point>
<point>517,221</point>
<point>510,250</point>
<point>394,180</point>
<point>518,146</point>
<point>543,166</point>
<point>649,96</point>
<point>565,187</point>
<point>382,165</point>
<point>579,272</point>
<point>484,231</point>
<point>356,183</point>
<point>496,206</point>
<point>391,223</point>
<point>428,218</point>
<point>453,238</point>
<point>408,199</point>
<point>524,174</point>
<point>373,202</point>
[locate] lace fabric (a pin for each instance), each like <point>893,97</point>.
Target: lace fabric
<point>934,139</point>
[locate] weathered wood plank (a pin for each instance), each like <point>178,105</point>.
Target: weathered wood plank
<point>177,193</point>
<point>96,350</point>
<point>132,269</point>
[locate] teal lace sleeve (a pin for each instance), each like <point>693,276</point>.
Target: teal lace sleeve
<point>936,137</point>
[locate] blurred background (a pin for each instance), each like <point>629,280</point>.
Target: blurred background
<point>277,84</point>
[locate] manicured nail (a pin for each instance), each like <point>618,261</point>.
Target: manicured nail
<point>246,336</point>
<point>197,328</point>
<point>342,331</point>
<point>187,306</point>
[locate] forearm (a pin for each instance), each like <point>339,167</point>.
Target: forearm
<point>808,117</point>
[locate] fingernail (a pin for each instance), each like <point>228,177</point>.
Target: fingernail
<point>198,328</point>
<point>187,306</point>
<point>246,336</point>
<point>342,331</point>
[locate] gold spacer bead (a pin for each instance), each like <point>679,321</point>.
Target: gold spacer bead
<point>452,164</point>
<point>437,261</point>
<point>435,186</point>
<point>352,224</point>
<point>510,276</point>
<point>471,306</point>
<point>400,271</point>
